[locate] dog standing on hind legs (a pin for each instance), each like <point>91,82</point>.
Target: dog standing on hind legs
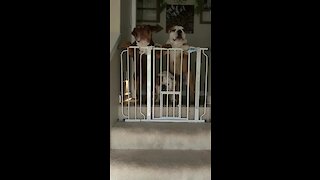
<point>143,38</point>
<point>177,39</point>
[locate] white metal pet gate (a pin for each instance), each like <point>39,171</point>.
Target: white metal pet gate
<point>154,91</point>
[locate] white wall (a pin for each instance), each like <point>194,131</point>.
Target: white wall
<point>125,26</point>
<point>115,17</point>
<point>114,86</point>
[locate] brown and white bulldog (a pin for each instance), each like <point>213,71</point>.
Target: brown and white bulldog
<point>177,39</point>
<point>142,38</point>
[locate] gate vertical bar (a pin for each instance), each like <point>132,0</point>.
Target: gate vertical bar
<point>149,83</point>
<point>129,81</point>
<point>197,88</point>
<point>135,84</point>
<point>153,81</point>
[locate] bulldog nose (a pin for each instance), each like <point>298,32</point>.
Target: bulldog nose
<point>163,88</point>
<point>179,32</point>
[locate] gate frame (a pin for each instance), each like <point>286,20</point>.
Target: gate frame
<point>149,88</point>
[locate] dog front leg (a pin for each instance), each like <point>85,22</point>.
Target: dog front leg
<point>190,85</point>
<point>192,88</point>
<point>185,47</point>
<point>167,46</point>
<point>191,82</point>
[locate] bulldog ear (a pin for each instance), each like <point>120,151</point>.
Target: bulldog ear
<point>134,32</point>
<point>156,28</point>
<point>169,28</point>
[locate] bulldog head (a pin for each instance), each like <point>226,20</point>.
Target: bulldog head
<point>143,35</point>
<point>177,36</point>
<point>165,81</point>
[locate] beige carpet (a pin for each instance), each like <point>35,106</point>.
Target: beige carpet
<point>160,151</point>
<point>146,135</point>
